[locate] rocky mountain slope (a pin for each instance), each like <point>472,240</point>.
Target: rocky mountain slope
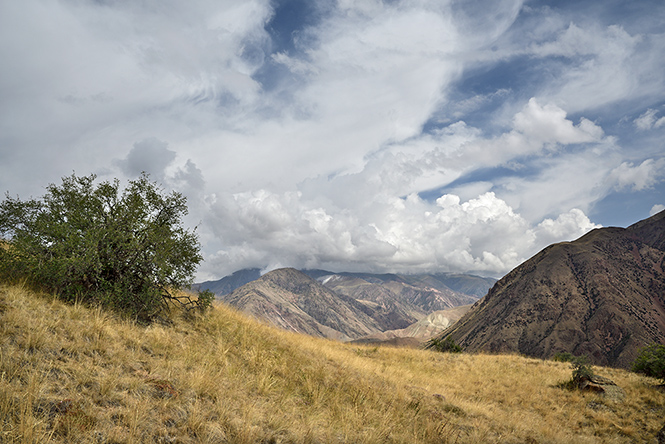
<point>421,294</point>
<point>291,300</point>
<point>602,295</point>
<point>422,330</point>
<point>383,302</point>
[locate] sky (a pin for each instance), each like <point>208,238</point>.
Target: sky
<point>379,136</point>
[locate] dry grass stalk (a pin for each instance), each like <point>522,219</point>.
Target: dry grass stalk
<point>74,374</point>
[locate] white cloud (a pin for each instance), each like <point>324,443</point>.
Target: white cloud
<point>640,177</point>
<point>567,226</point>
<point>603,65</point>
<point>648,120</point>
<point>656,209</point>
<point>482,234</point>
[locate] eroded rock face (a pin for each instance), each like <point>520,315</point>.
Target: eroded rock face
<point>602,295</point>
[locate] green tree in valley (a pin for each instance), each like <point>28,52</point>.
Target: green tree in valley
<point>125,248</point>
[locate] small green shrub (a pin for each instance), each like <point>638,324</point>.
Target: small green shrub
<point>563,357</point>
<point>651,361</point>
<point>582,370</point>
<point>446,345</point>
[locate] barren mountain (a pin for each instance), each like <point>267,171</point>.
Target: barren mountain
<point>389,301</point>
<point>291,300</point>
<point>422,330</point>
<point>602,295</point>
<point>227,284</point>
<point>421,293</point>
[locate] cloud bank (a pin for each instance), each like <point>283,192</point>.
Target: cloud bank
<point>379,135</point>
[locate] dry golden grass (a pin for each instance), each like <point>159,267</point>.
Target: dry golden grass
<point>74,374</point>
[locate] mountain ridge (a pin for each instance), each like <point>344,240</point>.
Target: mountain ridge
<point>347,306</point>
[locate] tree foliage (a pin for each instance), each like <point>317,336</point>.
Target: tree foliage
<point>651,362</point>
<point>125,248</point>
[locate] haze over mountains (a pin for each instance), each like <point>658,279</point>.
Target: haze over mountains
<point>351,305</point>
<point>602,295</point>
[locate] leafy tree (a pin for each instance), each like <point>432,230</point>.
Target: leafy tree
<point>651,361</point>
<point>126,249</point>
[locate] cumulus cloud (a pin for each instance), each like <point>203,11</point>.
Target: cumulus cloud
<point>482,234</point>
<point>640,177</point>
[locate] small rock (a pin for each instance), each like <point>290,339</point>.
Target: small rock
<point>601,385</point>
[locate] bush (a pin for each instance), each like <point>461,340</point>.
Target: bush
<point>125,249</point>
<point>582,370</point>
<point>651,362</point>
<point>563,357</point>
<point>446,345</point>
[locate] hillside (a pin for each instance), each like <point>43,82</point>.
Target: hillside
<point>602,295</point>
<point>72,374</point>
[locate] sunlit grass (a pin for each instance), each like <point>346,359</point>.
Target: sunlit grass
<point>75,374</point>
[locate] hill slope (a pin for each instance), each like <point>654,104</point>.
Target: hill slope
<point>602,295</point>
<point>72,374</point>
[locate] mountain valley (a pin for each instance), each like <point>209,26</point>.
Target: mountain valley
<point>349,306</point>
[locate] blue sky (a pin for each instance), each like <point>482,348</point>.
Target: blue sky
<point>364,136</point>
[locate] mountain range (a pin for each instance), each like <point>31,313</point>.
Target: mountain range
<point>602,295</point>
<point>348,306</point>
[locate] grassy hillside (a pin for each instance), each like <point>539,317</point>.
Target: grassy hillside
<point>72,374</point>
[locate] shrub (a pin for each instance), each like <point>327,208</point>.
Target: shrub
<point>125,249</point>
<point>582,371</point>
<point>446,345</point>
<point>563,357</point>
<point>581,368</point>
<point>651,361</point>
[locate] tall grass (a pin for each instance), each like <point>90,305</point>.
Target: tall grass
<point>74,374</point>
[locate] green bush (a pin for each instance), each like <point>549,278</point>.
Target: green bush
<point>446,345</point>
<point>126,249</point>
<point>563,357</point>
<point>581,369</point>
<point>651,361</point>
